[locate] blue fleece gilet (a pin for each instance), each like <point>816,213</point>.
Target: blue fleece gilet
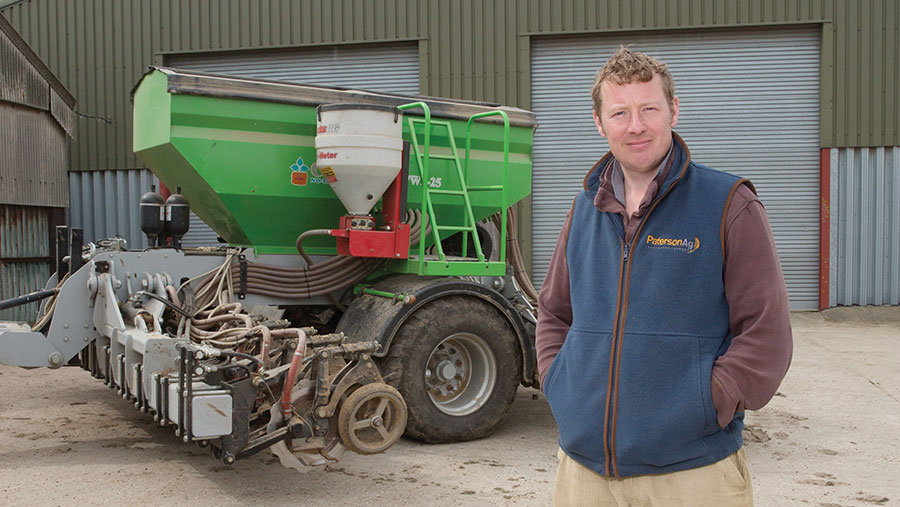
<point>632,379</point>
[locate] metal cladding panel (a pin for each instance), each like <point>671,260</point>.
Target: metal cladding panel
<point>865,226</point>
<point>32,158</point>
<point>199,234</point>
<point>106,204</point>
<point>62,113</point>
<point>24,232</point>
<point>20,82</point>
<point>24,256</point>
<point>865,41</point>
<point>19,278</point>
<point>386,68</point>
<point>749,105</point>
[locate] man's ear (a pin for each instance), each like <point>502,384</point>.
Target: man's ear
<point>598,124</point>
<point>674,111</point>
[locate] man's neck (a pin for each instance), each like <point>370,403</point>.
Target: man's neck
<point>630,187</point>
<point>636,184</point>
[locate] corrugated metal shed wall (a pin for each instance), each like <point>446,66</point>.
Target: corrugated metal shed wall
<point>24,262</point>
<point>32,144</point>
<point>473,49</point>
<point>105,204</point>
<point>865,223</point>
<point>732,120</point>
<point>32,158</point>
<point>20,82</point>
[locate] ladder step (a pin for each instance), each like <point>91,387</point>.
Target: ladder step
<point>438,123</point>
<point>437,157</point>
<point>486,187</point>
<point>454,228</point>
<point>446,192</point>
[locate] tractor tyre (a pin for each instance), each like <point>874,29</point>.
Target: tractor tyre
<point>457,363</point>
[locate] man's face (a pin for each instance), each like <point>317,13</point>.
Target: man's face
<point>637,121</point>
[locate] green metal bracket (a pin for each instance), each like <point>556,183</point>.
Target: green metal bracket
<point>399,297</point>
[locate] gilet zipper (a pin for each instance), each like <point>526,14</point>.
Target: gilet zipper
<point>612,390</point>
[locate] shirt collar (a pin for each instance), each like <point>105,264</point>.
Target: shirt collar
<point>617,177</point>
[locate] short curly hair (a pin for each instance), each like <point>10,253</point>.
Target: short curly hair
<point>626,66</point>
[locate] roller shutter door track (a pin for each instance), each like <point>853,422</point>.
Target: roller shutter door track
<point>390,68</point>
<point>749,105</point>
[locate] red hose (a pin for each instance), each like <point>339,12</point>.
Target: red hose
<point>292,375</point>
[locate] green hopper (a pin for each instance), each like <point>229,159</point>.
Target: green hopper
<point>243,152</point>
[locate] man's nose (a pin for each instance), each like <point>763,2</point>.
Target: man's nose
<point>636,126</point>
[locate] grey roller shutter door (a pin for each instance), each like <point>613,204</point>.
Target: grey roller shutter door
<point>380,67</point>
<point>749,105</point>
<point>377,67</point>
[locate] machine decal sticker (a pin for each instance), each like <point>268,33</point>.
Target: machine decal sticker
<point>433,182</point>
<point>329,175</point>
<point>301,174</point>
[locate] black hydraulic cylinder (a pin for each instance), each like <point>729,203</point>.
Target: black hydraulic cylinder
<point>153,215</point>
<point>62,249</point>
<point>27,298</point>
<point>76,242</point>
<point>178,217</point>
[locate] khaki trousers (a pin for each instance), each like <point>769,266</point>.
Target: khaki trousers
<point>722,484</point>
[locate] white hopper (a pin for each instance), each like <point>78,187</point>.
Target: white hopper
<point>358,151</point>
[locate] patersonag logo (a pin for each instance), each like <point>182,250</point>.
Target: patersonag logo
<point>684,244</point>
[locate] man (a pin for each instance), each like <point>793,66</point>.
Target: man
<point>663,315</point>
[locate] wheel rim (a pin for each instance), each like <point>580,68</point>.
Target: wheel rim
<point>460,374</point>
<point>372,418</point>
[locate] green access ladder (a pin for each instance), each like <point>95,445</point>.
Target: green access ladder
<point>441,264</point>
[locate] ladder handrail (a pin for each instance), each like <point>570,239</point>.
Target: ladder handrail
<point>503,187</point>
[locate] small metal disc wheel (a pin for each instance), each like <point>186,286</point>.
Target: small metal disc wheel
<point>460,374</point>
<point>372,418</point>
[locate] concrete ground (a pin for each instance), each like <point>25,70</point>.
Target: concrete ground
<point>831,437</point>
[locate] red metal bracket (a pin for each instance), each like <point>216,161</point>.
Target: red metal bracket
<point>390,242</point>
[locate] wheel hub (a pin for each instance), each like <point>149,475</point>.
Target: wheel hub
<point>446,371</point>
<point>460,374</point>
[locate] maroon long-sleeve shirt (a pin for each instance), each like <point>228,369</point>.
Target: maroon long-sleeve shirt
<point>748,374</point>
